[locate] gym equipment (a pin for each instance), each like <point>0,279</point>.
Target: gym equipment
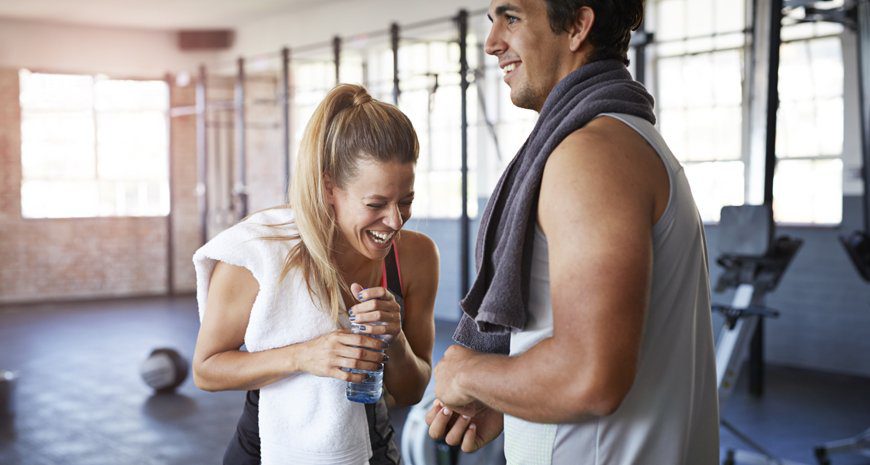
<point>7,392</point>
<point>857,245</point>
<point>753,263</point>
<point>854,15</point>
<point>858,444</point>
<point>164,370</point>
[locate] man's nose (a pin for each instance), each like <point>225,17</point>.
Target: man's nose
<point>494,45</point>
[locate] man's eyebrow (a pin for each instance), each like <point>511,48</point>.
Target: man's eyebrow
<point>502,9</point>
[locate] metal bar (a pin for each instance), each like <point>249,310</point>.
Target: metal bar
<point>202,154</point>
<point>285,114</point>
<point>465,238</point>
<point>394,45</point>
<point>863,92</point>
<point>240,189</point>
<point>763,79</point>
<point>756,361</point>
<point>187,110</point>
<point>711,35</point>
<point>774,30</point>
<point>170,239</point>
<point>644,39</point>
<point>732,345</point>
<point>336,58</point>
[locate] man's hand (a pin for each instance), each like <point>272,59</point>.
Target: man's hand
<point>473,427</point>
<point>447,372</point>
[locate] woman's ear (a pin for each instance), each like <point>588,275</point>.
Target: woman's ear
<point>328,189</point>
<point>579,31</point>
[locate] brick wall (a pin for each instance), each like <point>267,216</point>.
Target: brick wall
<point>59,259</point>
<point>185,207</point>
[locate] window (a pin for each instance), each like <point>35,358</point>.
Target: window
<point>93,146</point>
<point>808,183</point>
<point>699,94</point>
<point>700,63</point>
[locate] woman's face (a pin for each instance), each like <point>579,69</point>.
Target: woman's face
<point>372,206</point>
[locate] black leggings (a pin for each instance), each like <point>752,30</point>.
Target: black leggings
<point>244,448</point>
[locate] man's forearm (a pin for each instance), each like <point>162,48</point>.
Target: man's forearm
<point>533,386</point>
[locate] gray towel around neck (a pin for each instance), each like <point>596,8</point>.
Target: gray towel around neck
<point>496,303</point>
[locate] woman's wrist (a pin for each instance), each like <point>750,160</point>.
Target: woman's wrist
<point>291,359</point>
<point>398,346</point>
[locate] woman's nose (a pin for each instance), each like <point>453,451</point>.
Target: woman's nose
<point>394,218</point>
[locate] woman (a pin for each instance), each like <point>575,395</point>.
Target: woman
<point>283,281</point>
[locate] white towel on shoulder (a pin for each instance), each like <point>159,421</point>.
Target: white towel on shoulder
<point>304,419</point>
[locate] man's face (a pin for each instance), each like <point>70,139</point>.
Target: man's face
<point>533,57</point>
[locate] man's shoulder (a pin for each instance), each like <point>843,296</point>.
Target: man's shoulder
<point>601,137</point>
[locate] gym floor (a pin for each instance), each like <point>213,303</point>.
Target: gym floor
<point>79,399</point>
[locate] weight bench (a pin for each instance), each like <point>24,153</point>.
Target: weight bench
<point>753,263</point>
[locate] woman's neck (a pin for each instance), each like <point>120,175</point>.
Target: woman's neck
<point>353,266</point>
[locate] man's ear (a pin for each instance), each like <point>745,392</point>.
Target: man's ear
<point>579,31</point>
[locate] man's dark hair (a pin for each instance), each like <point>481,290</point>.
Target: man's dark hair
<point>611,32</point>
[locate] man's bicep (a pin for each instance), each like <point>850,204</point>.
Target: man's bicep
<point>596,220</point>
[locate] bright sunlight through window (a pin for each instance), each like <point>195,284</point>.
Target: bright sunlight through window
<point>93,146</point>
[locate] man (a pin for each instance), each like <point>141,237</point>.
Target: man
<point>592,294</point>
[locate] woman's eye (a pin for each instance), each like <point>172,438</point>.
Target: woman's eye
<point>375,205</point>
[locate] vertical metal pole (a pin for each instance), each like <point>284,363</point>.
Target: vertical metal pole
<point>764,101</point>
<point>240,190</point>
<point>465,239</point>
<point>394,45</point>
<point>764,98</point>
<point>774,28</point>
<point>756,360</point>
<point>285,114</point>
<point>170,158</point>
<point>202,153</point>
<point>643,39</point>
<point>863,23</point>
<point>336,58</point>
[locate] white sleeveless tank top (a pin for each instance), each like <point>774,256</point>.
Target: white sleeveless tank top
<point>670,415</point>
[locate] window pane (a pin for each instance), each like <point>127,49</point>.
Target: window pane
<point>714,185</point>
<point>132,146</point>
<point>808,128</point>
<point>670,19</point>
<point>57,145</point>
<point>133,198</point>
<point>808,191</point>
<point>72,168</point>
<point>55,91</point>
<point>120,95</point>
<point>59,199</point>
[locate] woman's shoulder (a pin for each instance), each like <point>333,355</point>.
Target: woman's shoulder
<point>418,254</point>
<point>263,237</point>
<point>273,219</point>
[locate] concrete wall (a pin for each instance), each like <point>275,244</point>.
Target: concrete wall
<point>91,50</point>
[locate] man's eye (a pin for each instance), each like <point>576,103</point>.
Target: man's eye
<point>511,19</point>
<point>375,205</point>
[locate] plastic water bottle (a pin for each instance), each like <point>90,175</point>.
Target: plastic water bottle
<point>369,390</point>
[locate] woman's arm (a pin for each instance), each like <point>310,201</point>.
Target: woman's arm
<point>219,365</point>
<point>410,366</point>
